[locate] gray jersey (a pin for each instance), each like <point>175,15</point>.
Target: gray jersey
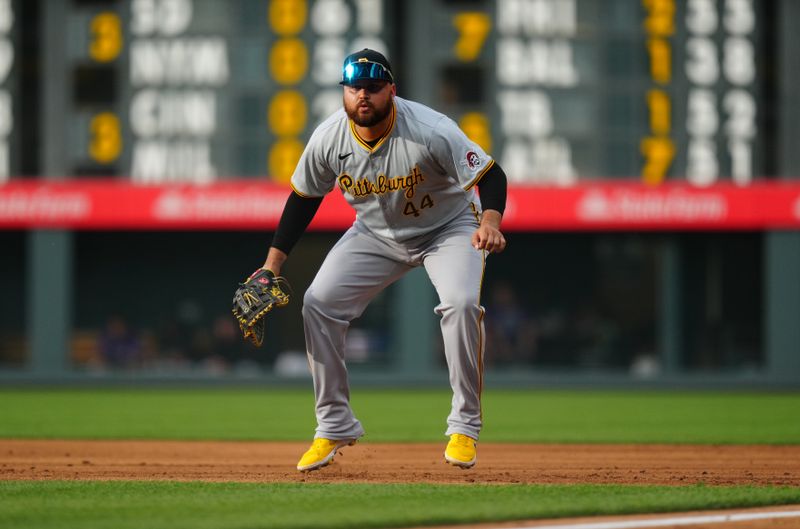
<point>419,176</point>
<point>414,194</point>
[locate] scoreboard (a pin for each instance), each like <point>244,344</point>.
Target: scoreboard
<point>558,91</point>
<point>200,90</point>
<point>573,90</point>
<point>9,38</point>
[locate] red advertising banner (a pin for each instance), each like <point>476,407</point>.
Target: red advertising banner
<point>623,206</point>
<point>245,205</point>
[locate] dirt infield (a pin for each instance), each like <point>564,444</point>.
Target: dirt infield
<point>421,463</point>
<point>401,463</point>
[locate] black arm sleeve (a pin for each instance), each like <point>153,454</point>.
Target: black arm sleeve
<point>296,216</point>
<point>493,186</point>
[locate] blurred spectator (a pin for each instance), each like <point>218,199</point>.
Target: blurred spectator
<point>201,351</point>
<point>227,339</point>
<point>240,354</point>
<point>179,342</point>
<point>597,338</point>
<point>120,346</point>
<point>511,333</point>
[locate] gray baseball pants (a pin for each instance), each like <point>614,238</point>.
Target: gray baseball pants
<point>356,269</point>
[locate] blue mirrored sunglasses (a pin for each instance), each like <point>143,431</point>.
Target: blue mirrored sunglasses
<point>356,71</point>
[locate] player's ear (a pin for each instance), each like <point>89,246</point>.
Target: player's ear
<point>394,89</point>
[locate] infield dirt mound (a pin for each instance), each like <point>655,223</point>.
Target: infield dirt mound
<point>400,463</point>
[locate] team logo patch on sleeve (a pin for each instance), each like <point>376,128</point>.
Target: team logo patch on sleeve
<point>472,160</point>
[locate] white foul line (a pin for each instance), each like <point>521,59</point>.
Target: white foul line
<point>670,522</point>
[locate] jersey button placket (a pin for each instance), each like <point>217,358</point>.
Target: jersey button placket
<point>375,163</point>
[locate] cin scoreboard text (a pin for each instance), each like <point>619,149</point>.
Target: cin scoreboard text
<point>199,90</point>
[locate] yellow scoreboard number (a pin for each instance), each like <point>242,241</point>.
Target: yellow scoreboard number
<point>105,45</point>
<point>105,144</point>
<point>288,66</point>
<point>107,39</point>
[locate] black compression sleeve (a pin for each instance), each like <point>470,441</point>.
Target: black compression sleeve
<point>296,216</point>
<point>493,186</point>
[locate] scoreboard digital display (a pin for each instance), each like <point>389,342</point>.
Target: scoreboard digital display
<point>558,91</point>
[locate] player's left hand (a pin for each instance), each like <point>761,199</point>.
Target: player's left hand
<point>255,298</point>
<point>488,238</point>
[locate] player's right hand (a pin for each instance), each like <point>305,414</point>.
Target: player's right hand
<point>489,238</point>
<point>488,235</point>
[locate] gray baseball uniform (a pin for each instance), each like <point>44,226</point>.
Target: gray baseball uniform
<point>416,205</point>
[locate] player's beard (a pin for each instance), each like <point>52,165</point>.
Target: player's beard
<point>373,118</point>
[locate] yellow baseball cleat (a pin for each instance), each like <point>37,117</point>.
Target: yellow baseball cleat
<point>461,451</point>
<point>321,453</point>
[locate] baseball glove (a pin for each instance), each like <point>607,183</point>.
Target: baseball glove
<point>255,298</point>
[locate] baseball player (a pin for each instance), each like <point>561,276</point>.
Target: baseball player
<point>411,175</point>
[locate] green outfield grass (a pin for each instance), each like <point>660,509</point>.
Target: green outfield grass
<point>404,415</point>
<point>154,505</point>
<point>390,415</point>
